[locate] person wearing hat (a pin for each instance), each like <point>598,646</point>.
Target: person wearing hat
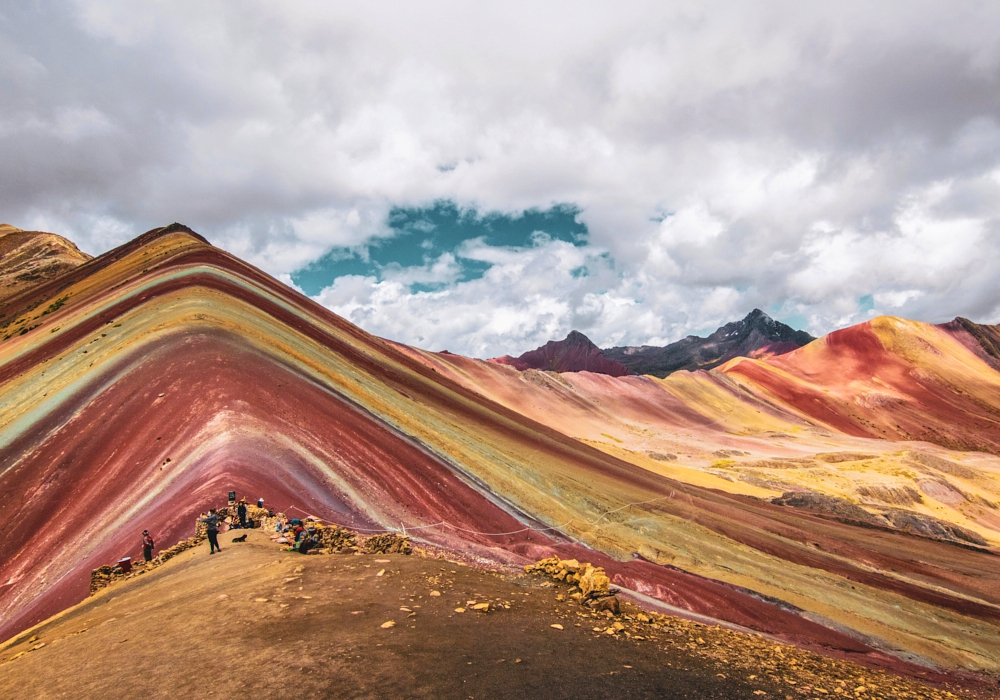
<point>147,546</point>
<point>241,512</point>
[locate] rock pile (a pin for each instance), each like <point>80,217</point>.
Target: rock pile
<point>227,514</point>
<point>590,585</point>
<point>387,543</point>
<point>254,513</point>
<point>336,539</point>
<point>104,576</point>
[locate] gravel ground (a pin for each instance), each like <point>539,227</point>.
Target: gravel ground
<point>257,622</point>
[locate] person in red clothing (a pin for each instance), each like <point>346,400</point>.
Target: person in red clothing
<point>147,546</point>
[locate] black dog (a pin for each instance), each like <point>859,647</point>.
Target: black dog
<point>241,538</point>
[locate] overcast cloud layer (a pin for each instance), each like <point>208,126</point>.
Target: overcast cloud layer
<point>824,162</point>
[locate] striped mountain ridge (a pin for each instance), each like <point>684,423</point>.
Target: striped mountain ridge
<point>156,377</point>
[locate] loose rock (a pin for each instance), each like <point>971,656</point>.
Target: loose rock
<point>592,587</point>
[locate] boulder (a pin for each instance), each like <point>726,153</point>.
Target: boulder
<point>594,583</point>
<point>591,580</point>
<point>607,603</point>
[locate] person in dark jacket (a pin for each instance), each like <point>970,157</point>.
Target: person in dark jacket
<point>241,513</point>
<point>308,543</point>
<point>147,546</point>
<point>212,521</point>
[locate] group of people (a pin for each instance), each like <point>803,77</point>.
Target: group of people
<point>212,521</point>
<point>241,512</point>
<point>300,537</point>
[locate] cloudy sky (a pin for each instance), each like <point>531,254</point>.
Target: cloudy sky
<point>484,177</point>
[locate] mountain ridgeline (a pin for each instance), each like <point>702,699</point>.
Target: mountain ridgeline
<point>577,353</point>
<point>757,335</point>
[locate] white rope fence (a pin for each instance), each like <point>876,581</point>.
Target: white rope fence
<point>404,528</point>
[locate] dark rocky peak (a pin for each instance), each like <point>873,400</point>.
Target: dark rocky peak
<point>756,335</point>
<point>763,324</point>
<point>576,339</point>
<point>577,353</point>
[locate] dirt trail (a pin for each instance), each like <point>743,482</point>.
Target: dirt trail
<point>256,622</point>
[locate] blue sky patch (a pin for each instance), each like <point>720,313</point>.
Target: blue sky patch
<point>421,235</point>
<point>798,322</point>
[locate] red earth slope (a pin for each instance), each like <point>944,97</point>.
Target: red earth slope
<point>888,378</point>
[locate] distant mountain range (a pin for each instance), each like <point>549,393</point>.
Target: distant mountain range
<point>757,335</point>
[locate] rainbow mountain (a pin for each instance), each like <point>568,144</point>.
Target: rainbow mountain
<point>842,496</point>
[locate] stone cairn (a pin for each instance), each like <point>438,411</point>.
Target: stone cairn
<point>590,586</point>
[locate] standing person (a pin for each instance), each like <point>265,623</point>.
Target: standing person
<point>212,521</point>
<point>260,502</point>
<point>241,512</point>
<point>147,546</point>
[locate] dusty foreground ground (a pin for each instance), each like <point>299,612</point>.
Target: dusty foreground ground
<point>256,622</point>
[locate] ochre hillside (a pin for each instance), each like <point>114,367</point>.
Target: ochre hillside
<point>31,257</point>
